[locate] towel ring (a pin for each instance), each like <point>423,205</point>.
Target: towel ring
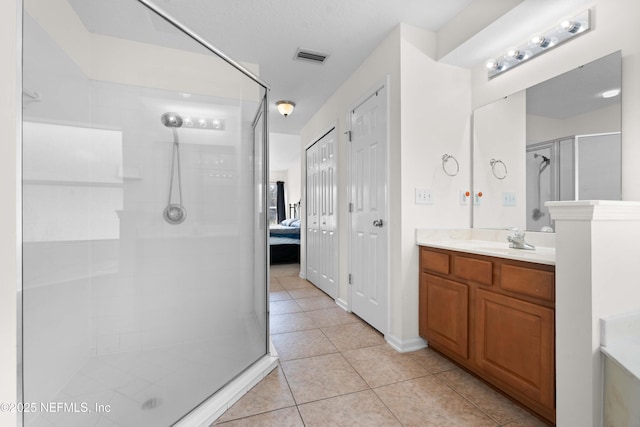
<point>445,159</point>
<point>493,163</point>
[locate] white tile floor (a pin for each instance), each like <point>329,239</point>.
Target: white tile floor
<point>335,370</point>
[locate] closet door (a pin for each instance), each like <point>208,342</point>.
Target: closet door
<point>328,216</point>
<point>312,227</point>
<point>322,242</point>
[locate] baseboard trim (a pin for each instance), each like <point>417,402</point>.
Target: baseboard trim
<point>405,346</point>
<point>342,304</point>
<point>205,414</point>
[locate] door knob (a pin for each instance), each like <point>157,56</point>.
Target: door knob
<point>378,223</point>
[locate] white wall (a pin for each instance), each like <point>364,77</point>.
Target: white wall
<point>436,112</point>
<point>430,109</point>
<point>607,36</point>
<point>275,176</point>
<point>294,182</point>
<point>499,132</point>
<point>9,217</point>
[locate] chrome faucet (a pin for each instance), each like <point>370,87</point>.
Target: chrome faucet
<point>516,240</point>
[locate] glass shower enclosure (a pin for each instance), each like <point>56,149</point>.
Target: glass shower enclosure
<point>577,167</point>
<point>144,189</point>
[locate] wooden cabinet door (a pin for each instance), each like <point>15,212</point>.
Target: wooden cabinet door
<point>515,344</point>
<point>444,313</point>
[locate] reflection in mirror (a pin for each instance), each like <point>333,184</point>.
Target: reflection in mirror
<point>561,139</point>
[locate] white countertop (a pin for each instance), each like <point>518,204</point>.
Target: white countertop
<point>490,243</point>
<point>620,340</point>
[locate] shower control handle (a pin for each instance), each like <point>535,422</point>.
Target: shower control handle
<point>378,223</point>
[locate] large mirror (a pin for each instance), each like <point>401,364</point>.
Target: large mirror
<point>558,140</point>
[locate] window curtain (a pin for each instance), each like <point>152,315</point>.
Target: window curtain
<point>282,213</point>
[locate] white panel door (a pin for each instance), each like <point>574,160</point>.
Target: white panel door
<point>328,215</point>
<point>368,195</point>
<point>322,249</point>
<point>312,215</point>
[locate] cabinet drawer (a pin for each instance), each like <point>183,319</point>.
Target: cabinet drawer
<point>528,281</point>
<point>435,261</point>
<point>478,270</point>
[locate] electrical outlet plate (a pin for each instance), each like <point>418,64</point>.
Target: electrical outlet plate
<point>424,196</point>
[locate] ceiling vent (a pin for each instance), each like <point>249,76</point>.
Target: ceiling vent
<point>311,56</point>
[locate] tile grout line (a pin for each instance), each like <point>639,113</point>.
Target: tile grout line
<point>368,386</point>
<point>374,391</point>
<point>528,414</point>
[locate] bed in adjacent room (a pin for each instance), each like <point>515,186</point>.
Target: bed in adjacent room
<point>284,242</point>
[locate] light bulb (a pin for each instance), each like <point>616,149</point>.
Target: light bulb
<point>516,54</point>
<point>494,64</point>
<point>541,41</point>
<point>570,26</point>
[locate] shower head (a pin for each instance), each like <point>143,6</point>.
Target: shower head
<point>544,158</point>
<point>171,120</point>
<point>537,214</point>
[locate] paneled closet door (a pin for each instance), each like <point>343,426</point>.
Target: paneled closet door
<point>322,246</point>
<point>312,228</point>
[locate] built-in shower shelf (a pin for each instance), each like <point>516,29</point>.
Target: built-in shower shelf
<point>71,183</point>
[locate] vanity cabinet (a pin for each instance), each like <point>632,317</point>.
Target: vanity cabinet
<point>446,308</point>
<point>495,317</point>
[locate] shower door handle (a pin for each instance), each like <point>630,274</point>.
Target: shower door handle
<point>378,223</point>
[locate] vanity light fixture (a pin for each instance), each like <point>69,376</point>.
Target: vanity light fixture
<point>202,123</point>
<point>540,43</point>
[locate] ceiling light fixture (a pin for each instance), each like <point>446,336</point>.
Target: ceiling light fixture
<point>540,43</point>
<point>285,107</point>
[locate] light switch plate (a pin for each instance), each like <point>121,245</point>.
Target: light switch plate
<point>508,198</point>
<point>477,197</point>
<point>465,195</point>
<point>424,196</point>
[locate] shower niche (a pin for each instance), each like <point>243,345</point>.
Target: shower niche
<point>144,288</point>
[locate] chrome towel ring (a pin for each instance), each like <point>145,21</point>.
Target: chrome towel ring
<point>498,168</point>
<point>445,161</point>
